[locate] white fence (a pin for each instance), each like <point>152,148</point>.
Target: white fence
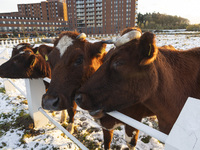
<point>12,42</point>
<point>185,134</point>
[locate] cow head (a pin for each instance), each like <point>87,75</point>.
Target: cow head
<point>26,64</point>
<point>77,59</point>
<point>20,47</point>
<point>128,73</point>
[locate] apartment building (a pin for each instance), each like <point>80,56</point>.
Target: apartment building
<point>44,17</point>
<point>101,16</point>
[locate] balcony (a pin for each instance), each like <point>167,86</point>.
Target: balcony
<point>90,14</point>
<point>90,25</point>
<point>89,5</point>
<point>80,2</point>
<point>98,5</point>
<point>90,1</point>
<point>80,14</point>
<point>99,25</point>
<point>89,21</point>
<point>90,9</point>
<point>99,17</point>
<point>81,22</point>
<point>99,13</point>
<point>80,10</point>
<point>99,21</point>
<point>90,18</point>
<point>99,9</point>
<point>81,18</point>
<point>79,6</point>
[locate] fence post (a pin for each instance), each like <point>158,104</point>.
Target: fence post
<point>35,89</point>
<point>14,43</point>
<point>2,43</point>
<point>185,134</point>
<point>17,42</point>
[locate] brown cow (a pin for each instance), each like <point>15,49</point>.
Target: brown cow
<point>18,65</point>
<point>68,70</point>
<point>26,64</point>
<point>70,73</point>
<point>139,72</point>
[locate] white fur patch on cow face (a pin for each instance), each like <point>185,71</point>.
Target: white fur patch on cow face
<point>63,44</point>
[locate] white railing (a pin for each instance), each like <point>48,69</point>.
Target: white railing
<point>13,42</point>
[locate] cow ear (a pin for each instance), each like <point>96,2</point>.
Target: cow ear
<point>97,49</point>
<point>32,60</point>
<point>148,48</point>
<point>35,50</point>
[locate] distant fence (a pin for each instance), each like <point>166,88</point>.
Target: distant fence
<point>12,42</point>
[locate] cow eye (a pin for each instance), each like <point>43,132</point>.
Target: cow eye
<point>79,61</point>
<point>117,63</point>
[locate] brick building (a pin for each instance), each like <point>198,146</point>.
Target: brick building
<point>89,16</point>
<point>101,16</point>
<point>44,17</point>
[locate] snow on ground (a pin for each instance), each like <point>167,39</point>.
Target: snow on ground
<point>13,107</point>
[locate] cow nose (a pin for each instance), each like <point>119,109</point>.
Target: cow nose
<point>49,102</point>
<point>78,99</point>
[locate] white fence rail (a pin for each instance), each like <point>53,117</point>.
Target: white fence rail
<point>12,42</point>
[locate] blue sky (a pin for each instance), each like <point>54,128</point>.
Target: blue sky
<point>189,9</point>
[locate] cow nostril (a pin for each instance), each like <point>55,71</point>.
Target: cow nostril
<point>78,99</point>
<point>50,102</point>
<point>55,102</point>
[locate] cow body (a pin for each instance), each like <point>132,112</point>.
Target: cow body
<point>139,72</point>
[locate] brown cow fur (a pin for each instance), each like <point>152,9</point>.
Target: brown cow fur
<point>45,50</point>
<point>139,72</point>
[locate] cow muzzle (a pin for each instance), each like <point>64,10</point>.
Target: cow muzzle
<point>97,113</point>
<point>50,102</point>
<point>84,102</point>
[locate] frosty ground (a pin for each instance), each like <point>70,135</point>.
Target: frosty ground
<point>16,126</point>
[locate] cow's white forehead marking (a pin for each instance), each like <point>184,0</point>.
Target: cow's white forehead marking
<point>63,44</point>
<point>20,46</point>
